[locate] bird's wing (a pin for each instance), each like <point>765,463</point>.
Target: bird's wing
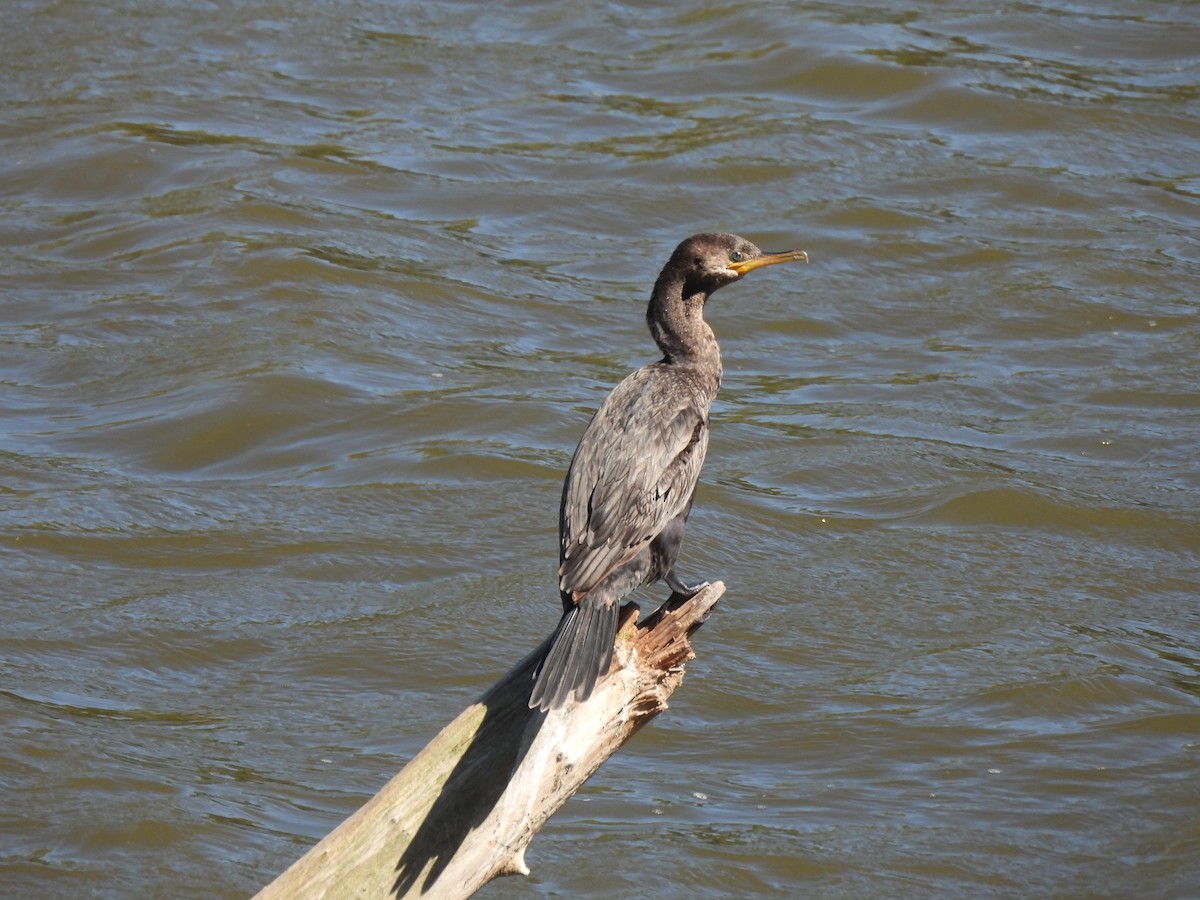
<point>634,471</point>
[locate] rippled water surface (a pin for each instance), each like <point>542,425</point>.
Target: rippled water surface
<point>305,306</point>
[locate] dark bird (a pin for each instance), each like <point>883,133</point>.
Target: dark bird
<point>632,480</point>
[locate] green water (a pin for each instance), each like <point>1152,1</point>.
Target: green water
<point>305,306</point>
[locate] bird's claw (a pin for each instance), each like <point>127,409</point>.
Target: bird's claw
<point>681,591</point>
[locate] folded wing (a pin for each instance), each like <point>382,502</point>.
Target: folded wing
<point>633,472</point>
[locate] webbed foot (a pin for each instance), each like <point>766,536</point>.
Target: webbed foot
<point>681,590</point>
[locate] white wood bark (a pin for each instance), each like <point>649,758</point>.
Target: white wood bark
<point>466,807</point>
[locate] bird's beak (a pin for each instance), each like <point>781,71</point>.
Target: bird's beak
<point>768,259</point>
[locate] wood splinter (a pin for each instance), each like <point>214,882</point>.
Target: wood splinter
<point>465,808</point>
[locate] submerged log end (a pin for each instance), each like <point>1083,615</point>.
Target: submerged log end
<point>463,811</point>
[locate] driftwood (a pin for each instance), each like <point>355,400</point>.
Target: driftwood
<point>466,807</point>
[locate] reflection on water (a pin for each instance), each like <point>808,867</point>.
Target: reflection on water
<point>307,305</point>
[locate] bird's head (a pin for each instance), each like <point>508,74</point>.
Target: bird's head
<point>706,262</point>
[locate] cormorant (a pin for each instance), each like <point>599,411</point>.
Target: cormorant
<point>632,480</point>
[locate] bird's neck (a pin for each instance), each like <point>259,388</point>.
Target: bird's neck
<point>676,320</point>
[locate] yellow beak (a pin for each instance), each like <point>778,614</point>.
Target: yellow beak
<point>768,259</point>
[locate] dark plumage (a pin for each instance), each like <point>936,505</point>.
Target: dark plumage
<point>631,483</point>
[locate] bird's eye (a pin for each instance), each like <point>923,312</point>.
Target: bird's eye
<point>736,256</point>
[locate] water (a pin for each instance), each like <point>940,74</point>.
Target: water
<point>305,306</point>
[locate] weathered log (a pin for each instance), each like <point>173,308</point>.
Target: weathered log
<point>466,807</point>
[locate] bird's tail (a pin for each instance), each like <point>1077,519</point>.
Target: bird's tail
<point>580,652</point>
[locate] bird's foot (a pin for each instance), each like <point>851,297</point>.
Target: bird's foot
<point>682,591</point>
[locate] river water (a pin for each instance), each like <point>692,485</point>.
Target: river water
<point>306,304</point>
